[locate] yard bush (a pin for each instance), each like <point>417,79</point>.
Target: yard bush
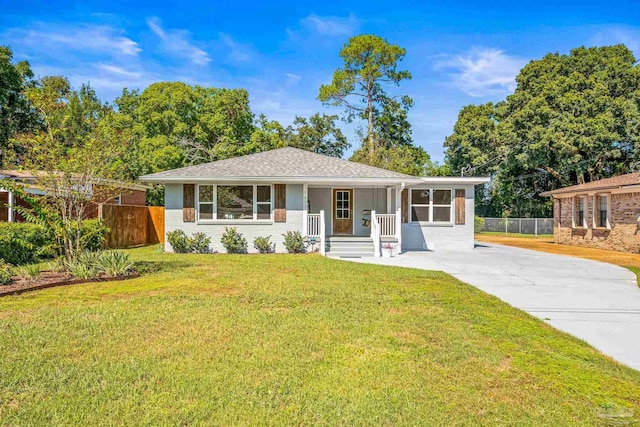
<point>85,266</point>
<point>200,243</point>
<point>233,241</point>
<point>6,272</point>
<point>114,263</point>
<point>264,245</point>
<point>24,243</point>
<point>31,271</point>
<point>478,224</point>
<point>179,241</point>
<point>94,233</point>
<point>294,242</point>
<point>183,244</point>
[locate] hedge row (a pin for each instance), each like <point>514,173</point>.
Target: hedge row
<point>24,243</point>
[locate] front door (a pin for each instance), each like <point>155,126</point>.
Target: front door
<point>342,211</point>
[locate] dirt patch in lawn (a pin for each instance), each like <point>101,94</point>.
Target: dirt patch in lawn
<point>622,259</point>
<point>50,279</point>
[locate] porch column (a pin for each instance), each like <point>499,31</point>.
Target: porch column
<point>10,214</point>
<point>389,201</point>
<point>305,208</point>
<point>399,189</point>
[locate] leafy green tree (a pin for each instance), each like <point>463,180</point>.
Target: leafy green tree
<point>319,133</point>
<point>572,119</point>
<point>370,64</point>
<point>74,160</point>
<point>267,135</point>
<point>396,150</point>
<point>15,114</point>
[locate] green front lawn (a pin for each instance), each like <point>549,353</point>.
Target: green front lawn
<point>279,339</point>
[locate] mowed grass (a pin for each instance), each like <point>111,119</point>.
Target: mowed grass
<point>292,340</point>
<point>547,244</point>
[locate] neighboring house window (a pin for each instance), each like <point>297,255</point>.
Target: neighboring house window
<point>234,202</point>
<point>604,202</point>
<point>429,205</point>
<point>117,200</point>
<point>580,212</point>
<point>205,202</point>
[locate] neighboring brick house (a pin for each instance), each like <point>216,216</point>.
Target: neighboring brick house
<point>602,214</point>
<point>132,195</point>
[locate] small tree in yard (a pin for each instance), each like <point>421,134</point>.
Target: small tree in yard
<point>72,159</point>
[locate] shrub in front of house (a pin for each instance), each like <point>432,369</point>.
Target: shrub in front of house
<point>24,243</point>
<point>294,242</point>
<point>6,272</point>
<point>233,241</point>
<point>478,224</point>
<point>179,241</point>
<point>264,245</point>
<point>198,243</point>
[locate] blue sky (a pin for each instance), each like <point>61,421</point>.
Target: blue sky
<point>459,53</point>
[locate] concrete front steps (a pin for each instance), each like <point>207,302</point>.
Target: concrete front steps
<point>349,247</point>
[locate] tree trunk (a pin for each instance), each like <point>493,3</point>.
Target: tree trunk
<point>372,148</point>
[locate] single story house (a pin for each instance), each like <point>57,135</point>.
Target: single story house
<point>602,214</point>
<point>349,209</point>
<point>132,195</point>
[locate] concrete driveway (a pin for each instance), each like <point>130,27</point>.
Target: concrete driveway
<point>594,301</point>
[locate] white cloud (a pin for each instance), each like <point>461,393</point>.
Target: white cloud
<point>113,69</point>
<point>177,43</point>
<point>81,38</point>
<point>331,25</point>
<point>238,52</point>
<point>482,72</point>
<point>630,36</point>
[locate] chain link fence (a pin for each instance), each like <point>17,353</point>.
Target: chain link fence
<point>519,225</point>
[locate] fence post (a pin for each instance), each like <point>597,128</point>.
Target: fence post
<point>536,225</point>
<point>506,225</point>
<point>519,225</point>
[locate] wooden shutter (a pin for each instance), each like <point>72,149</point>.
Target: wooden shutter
<point>404,206</point>
<point>188,203</point>
<point>460,206</point>
<point>280,208</point>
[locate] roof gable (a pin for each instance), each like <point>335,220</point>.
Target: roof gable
<point>286,162</point>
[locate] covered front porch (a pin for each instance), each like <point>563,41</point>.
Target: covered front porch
<point>347,213</point>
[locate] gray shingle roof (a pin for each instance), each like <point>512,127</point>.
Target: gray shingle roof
<point>281,163</point>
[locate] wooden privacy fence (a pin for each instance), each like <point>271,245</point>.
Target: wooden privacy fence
<point>132,225</point>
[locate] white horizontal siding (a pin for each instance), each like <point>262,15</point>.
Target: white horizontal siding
<point>442,237</point>
<point>249,229</point>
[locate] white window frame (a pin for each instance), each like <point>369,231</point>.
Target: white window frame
<point>575,211</point>
<point>431,205</point>
<point>117,200</point>
<point>215,203</point>
<point>256,202</point>
<point>599,198</point>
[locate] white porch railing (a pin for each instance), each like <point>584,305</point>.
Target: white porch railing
<point>375,234</point>
<point>313,225</point>
<point>316,228</point>
<point>387,224</point>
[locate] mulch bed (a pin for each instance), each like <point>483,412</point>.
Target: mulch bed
<point>50,279</point>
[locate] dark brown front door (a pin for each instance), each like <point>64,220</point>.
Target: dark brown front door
<point>342,211</point>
